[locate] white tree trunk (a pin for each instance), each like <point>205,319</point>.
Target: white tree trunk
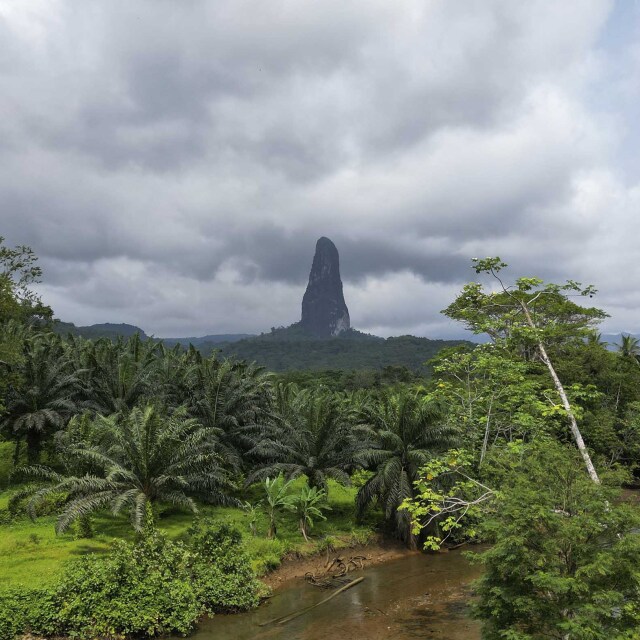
<point>573,424</point>
<point>577,436</point>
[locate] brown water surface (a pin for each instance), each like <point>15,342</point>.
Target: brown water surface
<point>417,596</point>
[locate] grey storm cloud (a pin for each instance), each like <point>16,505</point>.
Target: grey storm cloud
<point>173,163</point>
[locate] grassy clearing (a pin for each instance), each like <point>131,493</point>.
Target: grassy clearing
<point>31,554</point>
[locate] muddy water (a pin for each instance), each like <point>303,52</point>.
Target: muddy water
<point>417,596</point>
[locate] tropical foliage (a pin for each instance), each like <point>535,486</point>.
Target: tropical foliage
<point>488,446</point>
<point>308,435</point>
<point>572,572</point>
<point>144,458</point>
<point>404,430</point>
<point>151,587</point>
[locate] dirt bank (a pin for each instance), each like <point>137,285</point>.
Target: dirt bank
<point>375,552</point>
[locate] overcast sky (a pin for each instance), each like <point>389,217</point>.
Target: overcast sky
<point>173,162</point>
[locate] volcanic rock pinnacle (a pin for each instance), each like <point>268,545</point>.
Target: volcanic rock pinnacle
<point>324,311</point>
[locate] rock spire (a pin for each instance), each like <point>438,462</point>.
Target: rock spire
<point>324,311</point>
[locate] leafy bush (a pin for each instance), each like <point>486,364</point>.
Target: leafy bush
<point>149,588</point>
<point>565,553</point>
<point>140,589</point>
<point>223,578</point>
<point>24,610</point>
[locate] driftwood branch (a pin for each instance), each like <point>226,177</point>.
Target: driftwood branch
<point>293,616</point>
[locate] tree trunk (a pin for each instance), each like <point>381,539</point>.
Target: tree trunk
<point>16,452</point>
<point>33,447</point>
<point>485,441</point>
<point>573,423</point>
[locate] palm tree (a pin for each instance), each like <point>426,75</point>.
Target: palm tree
<point>142,459</point>
<point>226,397</point>
<point>308,435</point>
<point>46,396</point>
<point>170,374</point>
<point>629,347</point>
<point>122,372</point>
<point>595,338</point>
<point>404,431</point>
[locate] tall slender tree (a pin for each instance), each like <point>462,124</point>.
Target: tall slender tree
<point>530,317</point>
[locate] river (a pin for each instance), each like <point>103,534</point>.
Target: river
<point>415,596</point>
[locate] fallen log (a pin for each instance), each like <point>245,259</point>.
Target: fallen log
<point>293,616</point>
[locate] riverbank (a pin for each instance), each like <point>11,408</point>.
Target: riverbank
<point>404,595</point>
<point>379,550</point>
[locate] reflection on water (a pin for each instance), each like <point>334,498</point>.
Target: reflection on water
<point>418,596</point>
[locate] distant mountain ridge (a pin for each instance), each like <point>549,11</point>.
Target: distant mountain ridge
<point>220,338</point>
<point>95,331</point>
<point>112,331</point>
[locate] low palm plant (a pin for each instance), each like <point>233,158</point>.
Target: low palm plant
<point>146,457</point>
<point>253,512</point>
<point>308,506</point>
<point>278,499</point>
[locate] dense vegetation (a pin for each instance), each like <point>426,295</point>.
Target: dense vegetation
<point>523,442</point>
<point>293,349</point>
<point>290,348</point>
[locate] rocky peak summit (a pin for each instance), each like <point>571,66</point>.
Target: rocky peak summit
<point>324,311</point>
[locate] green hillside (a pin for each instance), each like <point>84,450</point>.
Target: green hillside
<point>291,349</point>
<point>95,331</point>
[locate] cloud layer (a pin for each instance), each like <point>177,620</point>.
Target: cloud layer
<point>173,163</point>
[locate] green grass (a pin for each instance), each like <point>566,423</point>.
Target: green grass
<point>31,554</point>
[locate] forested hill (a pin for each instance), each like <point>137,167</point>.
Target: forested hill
<point>93,332</point>
<point>123,330</point>
<point>289,349</point>
<point>292,348</point>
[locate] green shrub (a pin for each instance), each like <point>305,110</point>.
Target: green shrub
<point>26,610</point>
<point>360,477</point>
<point>139,589</point>
<point>149,588</point>
<point>223,578</point>
<point>84,528</point>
